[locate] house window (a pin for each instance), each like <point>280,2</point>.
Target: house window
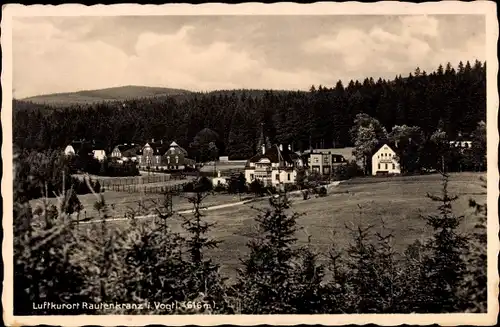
<point>316,160</point>
<point>378,166</point>
<point>325,160</point>
<point>288,176</point>
<point>393,166</point>
<point>168,160</point>
<point>386,166</point>
<point>251,177</point>
<point>390,155</point>
<point>277,177</point>
<point>176,159</point>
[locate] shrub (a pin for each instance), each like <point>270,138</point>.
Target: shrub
<point>219,188</point>
<point>257,187</point>
<point>188,187</point>
<point>291,187</point>
<point>203,184</point>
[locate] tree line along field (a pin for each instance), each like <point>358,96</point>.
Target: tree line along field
<point>398,201</point>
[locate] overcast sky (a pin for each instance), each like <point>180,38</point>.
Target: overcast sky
<point>65,54</point>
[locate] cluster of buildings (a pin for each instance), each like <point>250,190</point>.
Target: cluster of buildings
<point>275,165</point>
<point>155,155</point>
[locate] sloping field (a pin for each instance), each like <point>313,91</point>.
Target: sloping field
<point>122,203</point>
<point>398,201</point>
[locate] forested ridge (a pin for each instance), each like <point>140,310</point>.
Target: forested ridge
<point>450,98</point>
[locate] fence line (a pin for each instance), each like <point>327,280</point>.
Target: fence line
<point>138,180</point>
<point>138,188</point>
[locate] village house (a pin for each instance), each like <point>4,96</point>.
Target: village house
<point>80,147</point>
<point>323,162</point>
<point>175,158</point>
<point>219,180</point>
<point>460,144</point>
<point>385,162</point>
<point>273,166</point>
<point>125,152</point>
<point>99,154</point>
<point>161,155</point>
<point>151,153</point>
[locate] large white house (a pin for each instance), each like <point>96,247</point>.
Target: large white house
<point>273,166</point>
<point>385,161</point>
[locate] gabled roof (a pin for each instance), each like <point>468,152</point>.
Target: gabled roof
<point>275,155</point>
<point>177,146</point>
<point>161,148</point>
<point>391,145</point>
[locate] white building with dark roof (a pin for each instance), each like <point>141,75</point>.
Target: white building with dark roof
<point>273,166</point>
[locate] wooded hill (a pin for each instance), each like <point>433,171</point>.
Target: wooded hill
<point>453,98</point>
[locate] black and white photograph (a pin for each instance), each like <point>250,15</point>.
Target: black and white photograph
<point>327,163</point>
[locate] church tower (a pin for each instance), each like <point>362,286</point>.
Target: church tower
<point>261,143</point>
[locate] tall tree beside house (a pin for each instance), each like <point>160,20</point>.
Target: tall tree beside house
<point>408,142</point>
<point>478,150</point>
<point>240,145</point>
<point>366,134</point>
<point>440,149</point>
<point>204,145</point>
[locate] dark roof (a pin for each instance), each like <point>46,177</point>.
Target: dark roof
<point>82,146</point>
<point>273,154</point>
<point>161,148</point>
<point>158,148</point>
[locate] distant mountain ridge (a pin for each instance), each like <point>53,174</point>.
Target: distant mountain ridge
<point>132,92</point>
<point>120,93</point>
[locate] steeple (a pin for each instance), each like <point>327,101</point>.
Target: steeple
<point>262,142</point>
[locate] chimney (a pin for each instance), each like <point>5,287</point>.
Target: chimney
<point>263,149</point>
<point>281,147</point>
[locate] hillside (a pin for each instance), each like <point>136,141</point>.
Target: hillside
<point>123,93</point>
<point>104,95</point>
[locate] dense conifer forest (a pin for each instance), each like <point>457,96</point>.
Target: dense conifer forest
<point>450,98</point>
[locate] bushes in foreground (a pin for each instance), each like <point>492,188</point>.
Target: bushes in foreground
<point>150,263</point>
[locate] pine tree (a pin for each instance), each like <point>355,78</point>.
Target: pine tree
<point>444,266</point>
<point>272,280</point>
<point>474,287</point>
<point>204,282</point>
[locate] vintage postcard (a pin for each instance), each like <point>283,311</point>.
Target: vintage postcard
<point>281,164</point>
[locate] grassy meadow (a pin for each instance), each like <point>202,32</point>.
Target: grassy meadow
<point>399,201</point>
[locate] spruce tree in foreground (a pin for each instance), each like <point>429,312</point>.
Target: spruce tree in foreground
<point>475,282</point>
<point>444,265</point>
<point>204,283</point>
<point>278,277</point>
